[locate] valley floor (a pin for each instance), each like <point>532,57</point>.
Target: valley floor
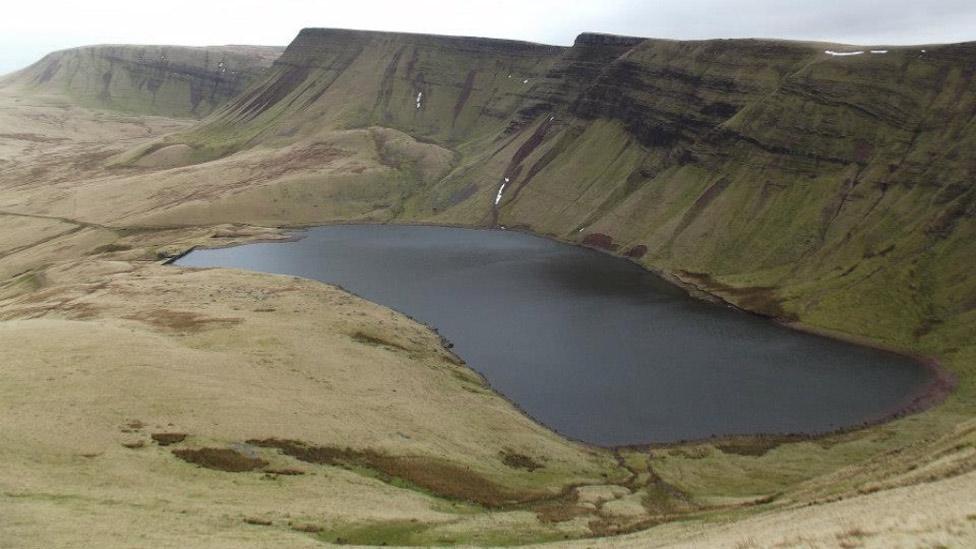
<point>143,404</point>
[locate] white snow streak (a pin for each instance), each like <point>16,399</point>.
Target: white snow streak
<point>879,52</point>
<point>843,53</point>
<point>498,197</point>
<point>420,95</point>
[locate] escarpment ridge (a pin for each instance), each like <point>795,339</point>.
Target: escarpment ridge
<point>173,81</point>
<point>830,185</point>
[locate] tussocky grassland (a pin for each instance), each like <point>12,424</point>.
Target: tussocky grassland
<point>146,404</point>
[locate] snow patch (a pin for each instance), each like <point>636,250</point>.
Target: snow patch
<point>420,96</point>
<point>498,197</point>
<point>843,53</point>
<point>526,81</point>
<point>879,52</point>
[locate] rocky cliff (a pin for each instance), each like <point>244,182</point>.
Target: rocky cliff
<point>162,80</point>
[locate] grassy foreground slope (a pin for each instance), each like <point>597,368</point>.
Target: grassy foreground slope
<point>831,191</point>
<point>173,81</point>
<point>158,406</point>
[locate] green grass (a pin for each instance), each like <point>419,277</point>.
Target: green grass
<point>841,185</point>
<point>147,80</point>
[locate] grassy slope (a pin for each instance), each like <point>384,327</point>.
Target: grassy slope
<point>841,185</point>
<point>831,191</point>
<point>835,192</point>
<point>385,437</point>
<point>171,81</point>
<point>346,79</point>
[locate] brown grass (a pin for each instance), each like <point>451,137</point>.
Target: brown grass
<point>450,481</point>
<point>599,240</point>
<point>307,528</point>
<point>286,472</point>
<point>748,446</point>
<point>561,511</point>
<point>761,299</point>
<point>519,461</point>
<point>854,533</point>
<point>181,321</point>
<point>852,538</point>
<point>438,477</point>
<point>165,439</point>
<point>367,339</point>
<point>220,459</point>
<point>109,248</point>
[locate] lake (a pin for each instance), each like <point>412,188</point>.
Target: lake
<point>591,345</point>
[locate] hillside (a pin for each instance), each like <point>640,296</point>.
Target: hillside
<point>834,192</point>
<point>172,81</point>
<point>838,187</point>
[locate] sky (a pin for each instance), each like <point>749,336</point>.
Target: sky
<point>29,29</point>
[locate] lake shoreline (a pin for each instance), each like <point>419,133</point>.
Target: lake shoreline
<point>934,392</point>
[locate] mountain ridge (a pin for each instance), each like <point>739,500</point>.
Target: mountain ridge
<point>654,144</point>
<point>176,81</point>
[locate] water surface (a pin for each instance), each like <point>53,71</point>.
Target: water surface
<point>594,346</point>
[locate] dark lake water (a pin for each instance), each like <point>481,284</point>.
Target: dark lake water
<point>593,346</point>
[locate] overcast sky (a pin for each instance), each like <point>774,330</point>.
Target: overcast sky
<point>31,28</point>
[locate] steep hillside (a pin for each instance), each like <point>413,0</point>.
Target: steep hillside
<point>437,88</point>
<point>832,191</point>
<point>160,80</point>
<point>838,189</point>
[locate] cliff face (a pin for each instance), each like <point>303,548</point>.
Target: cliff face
<point>161,80</point>
<point>833,189</point>
<point>438,88</point>
<point>845,184</point>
